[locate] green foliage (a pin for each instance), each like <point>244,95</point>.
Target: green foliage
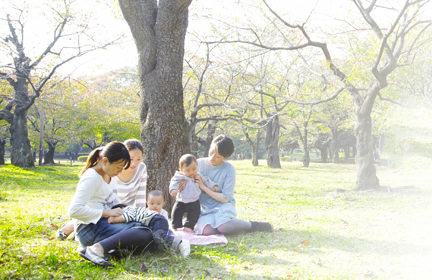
<point>318,222</point>
<point>82,158</point>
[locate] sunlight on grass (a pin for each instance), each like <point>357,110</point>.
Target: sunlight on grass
<point>323,229</point>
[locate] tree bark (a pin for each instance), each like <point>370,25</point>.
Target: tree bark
<point>193,139</point>
<point>255,147</point>
<point>335,146</point>
<point>272,143</point>
<point>306,157</point>
<point>346,152</point>
<point>211,131</point>
<point>323,152</point>
<point>49,156</point>
<point>159,29</point>
<point>2,151</point>
<point>21,153</point>
<point>366,172</point>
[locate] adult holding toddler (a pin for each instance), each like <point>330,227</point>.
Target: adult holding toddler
<point>94,201</point>
<point>218,212</point>
<point>187,195</point>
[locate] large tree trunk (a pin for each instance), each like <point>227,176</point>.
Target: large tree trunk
<point>21,153</point>
<point>272,143</point>
<point>2,151</point>
<point>159,29</point>
<point>366,172</point>
<point>49,156</point>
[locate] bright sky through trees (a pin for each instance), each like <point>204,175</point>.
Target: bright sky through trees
<point>324,17</point>
<point>106,21</point>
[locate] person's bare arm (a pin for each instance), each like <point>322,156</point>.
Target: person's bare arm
<point>215,195</point>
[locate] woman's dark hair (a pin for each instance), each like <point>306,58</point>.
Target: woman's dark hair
<point>186,160</point>
<point>225,145</point>
<point>113,151</point>
<point>133,144</point>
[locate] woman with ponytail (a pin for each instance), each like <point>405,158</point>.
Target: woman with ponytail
<point>95,200</point>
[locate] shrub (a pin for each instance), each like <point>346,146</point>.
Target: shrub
<point>82,158</point>
<point>286,159</point>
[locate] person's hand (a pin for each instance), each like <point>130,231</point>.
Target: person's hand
<point>174,193</point>
<point>216,188</point>
<point>112,212</point>
<point>200,182</point>
<point>182,185</point>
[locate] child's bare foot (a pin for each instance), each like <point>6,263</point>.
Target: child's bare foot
<point>188,229</point>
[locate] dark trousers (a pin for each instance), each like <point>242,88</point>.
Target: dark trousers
<point>161,233</point>
<point>192,210</point>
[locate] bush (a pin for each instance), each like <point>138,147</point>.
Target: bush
<point>82,158</point>
<point>286,159</point>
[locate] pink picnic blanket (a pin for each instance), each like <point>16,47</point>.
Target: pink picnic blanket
<point>201,239</point>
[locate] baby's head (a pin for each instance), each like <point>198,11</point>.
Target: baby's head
<point>188,165</point>
<point>155,200</point>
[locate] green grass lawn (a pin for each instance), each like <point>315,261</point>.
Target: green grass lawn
<point>323,230</point>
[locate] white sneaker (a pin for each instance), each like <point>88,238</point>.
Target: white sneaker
<point>184,248</point>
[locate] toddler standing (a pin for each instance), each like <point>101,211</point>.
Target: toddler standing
<point>187,193</point>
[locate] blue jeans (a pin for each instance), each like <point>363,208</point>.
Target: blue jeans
<point>162,235</point>
<point>93,233</point>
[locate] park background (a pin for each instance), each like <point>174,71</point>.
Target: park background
<point>293,122</point>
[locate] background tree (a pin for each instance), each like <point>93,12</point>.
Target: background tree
<point>109,106</point>
<point>332,118</point>
<point>392,45</point>
<point>206,91</point>
<point>28,73</point>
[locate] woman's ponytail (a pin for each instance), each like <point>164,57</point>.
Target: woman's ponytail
<point>92,160</point>
<point>113,151</point>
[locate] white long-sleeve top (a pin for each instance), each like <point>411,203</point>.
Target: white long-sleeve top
<point>191,191</point>
<point>92,196</point>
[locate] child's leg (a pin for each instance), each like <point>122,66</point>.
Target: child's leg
<point>164,238</point>
<point>193,213</point>
<point>115,220</point>
<point>160,228</point>
<point>177,215</point>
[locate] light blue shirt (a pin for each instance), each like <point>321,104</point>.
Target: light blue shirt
<point>213,212</point>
